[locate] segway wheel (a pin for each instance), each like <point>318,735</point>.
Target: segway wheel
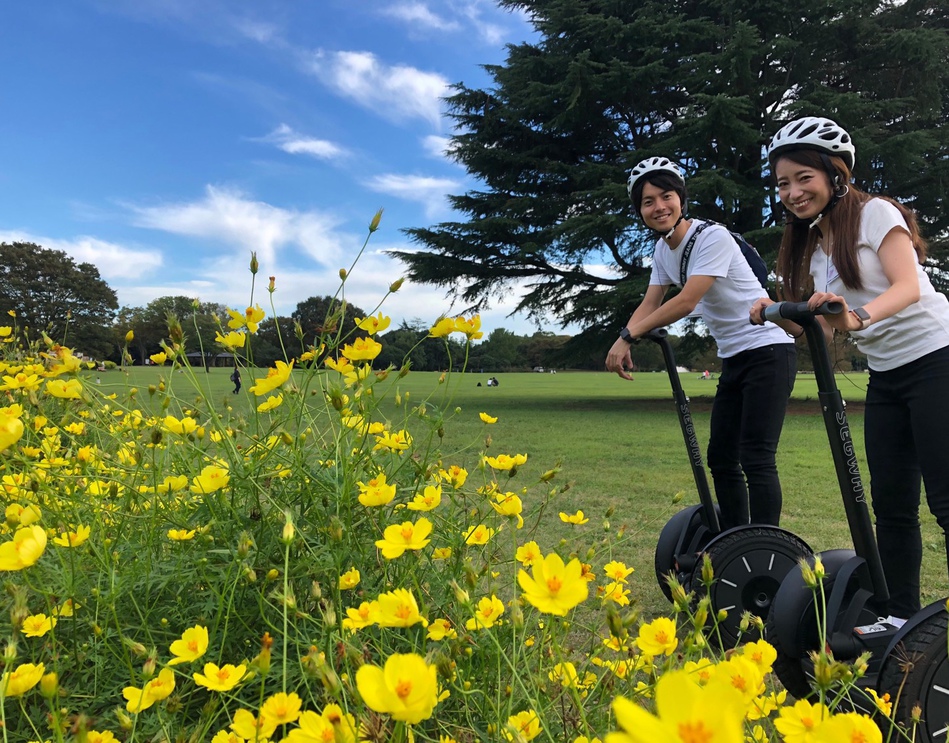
<point>749,564</point>
<point>917,672</point>
<point>681,540</point>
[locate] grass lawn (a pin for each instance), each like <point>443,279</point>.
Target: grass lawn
<point>621,448</point>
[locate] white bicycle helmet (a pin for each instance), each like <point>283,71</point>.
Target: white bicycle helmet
<point>652,165</point>
<point>814,133</point>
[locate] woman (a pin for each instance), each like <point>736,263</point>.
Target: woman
<point>758,363</point>
<point>841,244</point>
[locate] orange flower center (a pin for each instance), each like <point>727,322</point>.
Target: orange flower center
<point>403,612</point>
<point>223,674</point>
<point>407,532</point>
<point>193,646</point>
<point>554,584</point>
<point>661,637</point>
<point>740,682</point>
<point>694,732</point>
<point>403,688</point>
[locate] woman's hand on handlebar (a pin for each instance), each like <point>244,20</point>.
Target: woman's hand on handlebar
<point>757,318</point>
<point>843,321</point>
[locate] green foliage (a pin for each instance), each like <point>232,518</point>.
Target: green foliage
<point>51,293</point>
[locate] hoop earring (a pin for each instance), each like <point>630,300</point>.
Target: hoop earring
<point>840,194</point>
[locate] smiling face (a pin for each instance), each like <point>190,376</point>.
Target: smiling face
<point>660,209</point>
<point>803,189</point>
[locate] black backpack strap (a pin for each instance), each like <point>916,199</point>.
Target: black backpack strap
<point>687,251</point>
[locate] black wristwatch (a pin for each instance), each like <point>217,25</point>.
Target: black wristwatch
<point>624,335</point>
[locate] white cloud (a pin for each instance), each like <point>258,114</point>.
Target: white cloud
<point>294,143</point>
<point>424,189</point>
<point>229,217</point>
<point>436,146</point>
<point>396,92</point>
<point>114,261</point>
<point>419,15</point>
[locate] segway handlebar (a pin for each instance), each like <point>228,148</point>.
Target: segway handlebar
<point>656,334</point>
<point>798,311</point>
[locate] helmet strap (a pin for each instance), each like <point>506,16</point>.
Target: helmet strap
<point>840,190</point>
<point>674,227</point>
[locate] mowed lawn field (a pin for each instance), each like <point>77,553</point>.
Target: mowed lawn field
<point>619,446</point>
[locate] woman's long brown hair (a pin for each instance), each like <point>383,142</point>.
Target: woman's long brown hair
<point>843,223</point>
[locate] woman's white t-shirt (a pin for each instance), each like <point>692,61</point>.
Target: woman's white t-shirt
<point>725,306</point>
<point>920,328</point>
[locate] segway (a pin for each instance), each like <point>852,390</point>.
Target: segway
<point>749,562</point>
<point>911,662</point>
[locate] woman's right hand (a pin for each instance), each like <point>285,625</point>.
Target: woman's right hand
<point>757,310</point>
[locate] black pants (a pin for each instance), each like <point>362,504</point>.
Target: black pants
<point>747,417</point>
<point>906,432</point>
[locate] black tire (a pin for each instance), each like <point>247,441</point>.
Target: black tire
<point>684,528</point>
<point>920,665</point>
<point>796,634</point>
<point>749,564</point>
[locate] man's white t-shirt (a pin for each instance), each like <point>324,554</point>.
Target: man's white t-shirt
<point>725,306</point>
<point>920,328</point>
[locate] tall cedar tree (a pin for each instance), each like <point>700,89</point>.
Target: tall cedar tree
<point>610,82</point>
<point>50,292</point>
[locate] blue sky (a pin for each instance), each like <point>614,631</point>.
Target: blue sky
<point>163,140</point>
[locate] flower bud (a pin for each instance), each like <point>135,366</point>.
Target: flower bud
<point>130,336</point>
<point>374,224</point>
<point>254,265</point>
<point>708,573</point>
<point>270,287</point>
<point>49,685</point>
<point>396,285</point>
<point>342,274</point>
<point>288,530</point>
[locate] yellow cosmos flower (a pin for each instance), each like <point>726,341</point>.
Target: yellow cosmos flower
<point>181,535</point>
<point>555,588</point>
<point>21,679</point>
<point>658,637</point>
<point>573,518</point>
<point>211,478</point>
<point>220,678</point>
<point>192,644</point>
<point>312,728</point>
<point>276,376</point>
<point>104,736</point>
<point>445,326</point>
<point>441,629</point>
<point>376,492</point>
<point>68,389</point>
<point>454,476</point>
<point>282,708</point>
<point>271,403</point>
<point>616,592</point>
<point>20,515</point>
<point>250,319</point>
<point>529,554</point>
<point>343,366</point>
<point>172,484</point>
<point>428,499</point>
<point>183,427</point>
<point>762,654</point>
<point>848,727</point>
<point>489,419</point>
<point>685,711</point>
<point>798,722</point>
<point>226,736</point>
<point>6,331</point>
<point>362,349</point>
<point>509,504</point>
<point>373,325</point>
<point>21,381</point>
<point>487,613</point>
<point>398,608</point>
<point>349,579</point>
<point>406,688</point>
<point>471,328</point>
<point>159,358</point>
<point>523,726</point>
<point>398,538</point>
<point>76,429</point>
<point>366,615</point>
<point>441,553</point>
<point>231,340</point>
<point>395,442</point>
<point>26,547</point>
<point>73,538</point>
<point>617,571</point>
<point>37,625</point>
<point>248,727</point>
<point>478,534</point>
<point>11,428</point>
<point>503,462</point>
